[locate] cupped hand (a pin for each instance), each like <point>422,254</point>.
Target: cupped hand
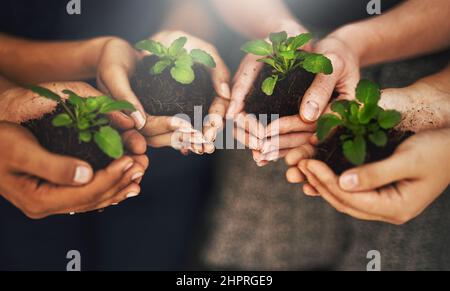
<point>271,142</point>
<point>394,190</point>
<point>41,183</point>
<point>117,64</point>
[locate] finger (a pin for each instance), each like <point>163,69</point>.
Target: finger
<point>247,139</point>
<point>294,176</point>
<point>129,192</point>
<point>375,175</point>
<point>289,124</point>
<point>310,190</point>
<point>115,79</point>
<point>157,125</point>
<point>142,160</point>
<point>57,169</point>
<point>325,181</point>
<point>110,179</point>
<point>274,156</point>
<point>250,124</point>
<point>243,81</point>
<point>286,141</point>
<point>134,142</point>
<point>176,140</point>
<point>220,76</point>
<point>319,93</point>
<point>306,151</point>
<point>121,121</point>
<point>214,122</point>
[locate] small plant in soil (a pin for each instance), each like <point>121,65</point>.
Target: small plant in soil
<point>79,127</point>
<point>287,74</point>
<point>364,132</point>
<point>172,80</point>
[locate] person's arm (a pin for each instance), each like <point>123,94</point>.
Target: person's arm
<point>258,18</point>
<point>413,28</point>
<point>27,61</point>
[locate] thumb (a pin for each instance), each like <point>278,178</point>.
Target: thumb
<point>378,174</point>
<point>57,169</point>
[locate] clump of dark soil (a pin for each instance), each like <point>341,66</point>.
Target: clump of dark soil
<point>161,95</point>
<point>64,141</point>
<point>331,153</point>
<point>286,98</point>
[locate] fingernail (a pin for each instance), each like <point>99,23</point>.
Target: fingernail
<point>231,110</point>
<point>83,175</point>
<point>115,204</point>
<point>225,90</point>
<point>132,194</point>
<point>311,111</point>
<point>128,166</point>
<point>349,181</point>
<point>72,213</point>
<point>137,176</point>
<point>138,119</point>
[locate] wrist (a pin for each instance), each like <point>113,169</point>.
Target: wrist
<point>91,52</point>
<point>355,37</point>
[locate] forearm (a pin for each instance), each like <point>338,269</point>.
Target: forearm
<point>413,28</point>
<point>25,61</point>
<point>258,18</point>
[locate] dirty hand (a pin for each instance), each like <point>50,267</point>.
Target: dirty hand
<point>116,66</point>
<point>41,183</point>
<point>424,105</point>
<point>405,184</point>
<point>274,142</point>
<point>344,78</point>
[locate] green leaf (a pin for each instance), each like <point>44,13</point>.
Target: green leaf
<point>288,55</point>
<point>367,113</point>
<point>355,150</point>
<point>102,121</point>
<point>341,107</point>
<point>378,138</point>
<point>202,57</point>
<point>104,99</point>
<point>268,61</point>
<point>85,136</point>
<point>109,141</point>
<point>184,61</point>
<point>389,119</point>
<point>368,92</point>
<point>325,124</point>
<point>152,46</point>
<point>269,85</point>
<point>354,111</point>
<point>74,99</point>
<point>62,119</point>
<point>278,37</point>
<point>258,47</point>
<point>183,74</point>
<point>92,104</point>
<point>116,106</point>
<point>44,92</point>
<point>316,63</point>
<point>159,67</point>
<point>298,41</point>
<point>83,124</point>
<point>177,45</point>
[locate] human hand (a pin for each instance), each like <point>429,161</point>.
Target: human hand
<point>394,190</point>
<point>116,66</point>
<point>41,183</point>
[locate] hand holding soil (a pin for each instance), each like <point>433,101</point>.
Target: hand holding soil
<point>58,184</point>
<point>406,183</point>
<point>120,63</point>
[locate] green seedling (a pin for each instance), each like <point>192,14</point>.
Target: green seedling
<point>88,117</point>
<point>284,56</point>
<point>177,58</point>
<point>363,119</point>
